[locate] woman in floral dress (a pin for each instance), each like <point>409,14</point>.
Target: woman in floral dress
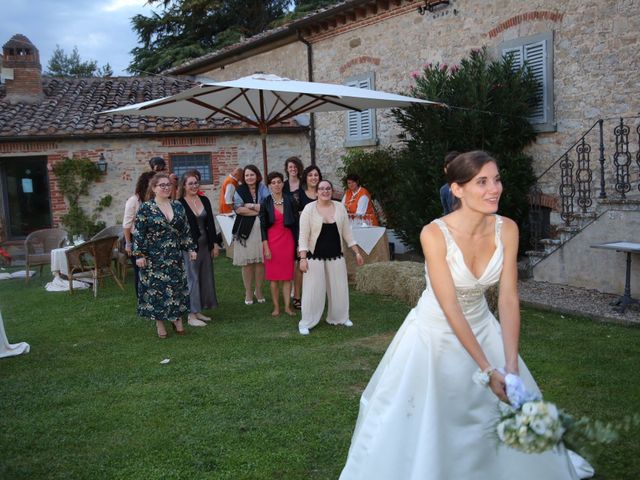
<point>161,235</point>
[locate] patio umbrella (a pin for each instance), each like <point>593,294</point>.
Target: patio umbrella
<point>263,100</point>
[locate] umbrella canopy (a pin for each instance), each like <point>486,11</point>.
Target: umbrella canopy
<point>263,100</point>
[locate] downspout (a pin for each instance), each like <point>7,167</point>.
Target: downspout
<point>312,120</point>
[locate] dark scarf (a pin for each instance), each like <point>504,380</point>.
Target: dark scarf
<point>244,223</point>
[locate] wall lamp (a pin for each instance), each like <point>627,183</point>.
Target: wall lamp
<point>102,164</point>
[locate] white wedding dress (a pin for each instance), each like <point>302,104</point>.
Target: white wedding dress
<point>422,417</point>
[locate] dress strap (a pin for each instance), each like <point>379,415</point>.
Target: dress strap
<point>445,231</point>
<point>498,228</point>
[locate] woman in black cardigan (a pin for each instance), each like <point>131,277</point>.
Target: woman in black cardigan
<point>279,228</point>
<point>202,288</point>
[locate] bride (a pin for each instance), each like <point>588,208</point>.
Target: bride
<point>421,415</point>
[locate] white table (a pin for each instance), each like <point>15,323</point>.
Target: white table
<point>368,237</point>
<point>59,261</point>
<point>625,299</point>
<point>226,225</point>
<point>59,266</point>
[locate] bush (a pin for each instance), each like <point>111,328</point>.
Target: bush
<point>74,178</point>
<point>488,104</point>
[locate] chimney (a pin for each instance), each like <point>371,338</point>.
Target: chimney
<point>21,71</point>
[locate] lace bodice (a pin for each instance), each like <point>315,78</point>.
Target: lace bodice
<point>469,289</point>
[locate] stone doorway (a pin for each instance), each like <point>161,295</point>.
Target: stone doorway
<point>24,189</point>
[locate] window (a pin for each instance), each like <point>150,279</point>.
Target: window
<point>537,53</point>
<point>197,161</point>
<point>361,126</point>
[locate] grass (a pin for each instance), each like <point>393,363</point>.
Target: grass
<point>247,397</point>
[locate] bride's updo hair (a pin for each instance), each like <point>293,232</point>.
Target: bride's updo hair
<point>464,167</point>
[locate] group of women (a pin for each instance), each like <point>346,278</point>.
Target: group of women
<point>278,225</point>
<point>271,220</point>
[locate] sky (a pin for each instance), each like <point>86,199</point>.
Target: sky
<point>101,29</point>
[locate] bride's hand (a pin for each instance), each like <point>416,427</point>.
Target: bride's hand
<point>498,386</point>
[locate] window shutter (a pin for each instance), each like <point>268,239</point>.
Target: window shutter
<point>515,54</point>
<point>360,124</point>
<point>535,56</point>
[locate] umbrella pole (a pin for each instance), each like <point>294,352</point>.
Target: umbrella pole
<point>263,139</point>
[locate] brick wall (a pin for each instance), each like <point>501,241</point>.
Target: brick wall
<point>127,159</point>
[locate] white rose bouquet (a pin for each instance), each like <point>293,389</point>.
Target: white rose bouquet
<point>532,425</point>
<point>535,427</point>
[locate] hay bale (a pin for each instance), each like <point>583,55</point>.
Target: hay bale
<point>404,281</point>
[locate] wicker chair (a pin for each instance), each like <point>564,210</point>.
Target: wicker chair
<point>120,258</point>
<point>114,230</point>
<point>38,246</point>
<point>92,260</point>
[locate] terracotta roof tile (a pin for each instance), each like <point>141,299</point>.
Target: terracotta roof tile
<point>70,108</point>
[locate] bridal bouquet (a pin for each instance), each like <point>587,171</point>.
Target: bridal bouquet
<point>533,425</point>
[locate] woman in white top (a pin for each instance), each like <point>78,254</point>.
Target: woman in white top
<point>324,225</point>
<point>130,209</point>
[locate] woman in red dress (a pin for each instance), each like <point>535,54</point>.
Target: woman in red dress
<point>279,224</point>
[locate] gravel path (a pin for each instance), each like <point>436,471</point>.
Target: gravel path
<point>575,301</point>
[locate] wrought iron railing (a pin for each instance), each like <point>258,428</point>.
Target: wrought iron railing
<point>579,175</point>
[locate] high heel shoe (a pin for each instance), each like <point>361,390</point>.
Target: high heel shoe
<point>203,317</point>
<point>175,329</point>
<point>260,300</point>
<point>248,302</point>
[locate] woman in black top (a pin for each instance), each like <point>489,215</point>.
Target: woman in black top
<point>293,168</point>
<point>202,289</point>
<point>311,177</point>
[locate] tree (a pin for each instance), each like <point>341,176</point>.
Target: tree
<point>71,66</point>
<point>490,102</point>
<point>187,29</point>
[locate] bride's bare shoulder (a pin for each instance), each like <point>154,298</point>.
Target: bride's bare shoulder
<point>431,235</point>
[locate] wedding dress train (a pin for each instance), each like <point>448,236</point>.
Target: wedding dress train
<point>422,417</point>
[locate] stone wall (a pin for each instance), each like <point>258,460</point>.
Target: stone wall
<point>576,263</point>
<point>128,158</point>
<point>596,60</point>
<point>288,61</point>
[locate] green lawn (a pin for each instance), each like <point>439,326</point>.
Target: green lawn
<point>247,397</point>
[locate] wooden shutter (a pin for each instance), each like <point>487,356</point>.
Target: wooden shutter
<point>360,124</point>
<point>535,58</point>
<point>534,55</point>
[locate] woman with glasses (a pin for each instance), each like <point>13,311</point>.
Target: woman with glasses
<point>202,287</point>
<point>324,224</point>
<point>247,249</point>
<point>308,193</point>
<point>161,235</point>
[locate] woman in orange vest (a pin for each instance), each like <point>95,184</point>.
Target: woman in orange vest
<point>227,189</point>
<point>358,201</point>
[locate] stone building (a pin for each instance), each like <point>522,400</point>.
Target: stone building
<point>585,55</point>
<point>44,120</point>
